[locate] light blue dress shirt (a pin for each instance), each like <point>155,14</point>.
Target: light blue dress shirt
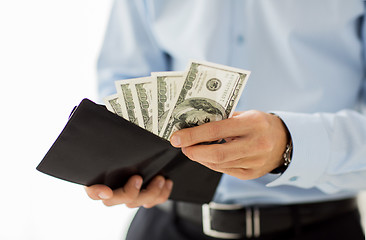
<point>307,67</point>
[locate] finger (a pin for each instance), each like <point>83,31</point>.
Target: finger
<point>229,139</point>
<point>221,153</point>
<point>128,193</point>
<point>241,173</point>
<point>245,174</point>
<point>209,132</point>
<point>246,163</point>
<point>149,194</point>
<point>164,195</point>
<point>99,191</point>
<point>236,114</point>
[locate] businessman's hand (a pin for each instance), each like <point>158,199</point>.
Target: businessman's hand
<point>131,194</point>
<point>255,143</point>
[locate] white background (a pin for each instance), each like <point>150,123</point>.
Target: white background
<point>48,51</point>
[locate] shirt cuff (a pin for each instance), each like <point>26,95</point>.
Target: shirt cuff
<point>310,155</point>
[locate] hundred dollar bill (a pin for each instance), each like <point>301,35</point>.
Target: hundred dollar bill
<point>144,93</point>
<point>169,85</point>
<point>210,93</point>
<point>124,93</point>
<point>112,103</point>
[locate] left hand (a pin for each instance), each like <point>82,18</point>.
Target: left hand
<point>131,194</point>
<point>255,143</point>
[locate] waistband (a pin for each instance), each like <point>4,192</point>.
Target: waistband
<point>233,221</point>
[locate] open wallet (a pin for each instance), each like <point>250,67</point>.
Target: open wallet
<point>99,147</point>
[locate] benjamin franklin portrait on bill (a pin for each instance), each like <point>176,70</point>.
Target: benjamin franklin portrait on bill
<point>196,111</point>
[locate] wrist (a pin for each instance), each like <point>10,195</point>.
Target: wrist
<point>287,154</point>
<point>286,160</point>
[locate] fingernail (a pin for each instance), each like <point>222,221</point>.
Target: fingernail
<point>102,195</point>
<point>138,183</point>
<point>175,140</point>
<point>161,184</point>
<point>169,184</point>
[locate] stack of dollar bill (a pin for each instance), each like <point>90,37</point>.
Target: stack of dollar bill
<point>168,101</point>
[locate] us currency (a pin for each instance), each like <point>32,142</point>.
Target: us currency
<point>144,93</point>
<point>210,92</point>
<point>168,86</point>
<point>113,104</point>
<point>125,97</point>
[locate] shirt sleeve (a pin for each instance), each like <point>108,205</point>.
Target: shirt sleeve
<point>129,49</point>
<point>329,151</point>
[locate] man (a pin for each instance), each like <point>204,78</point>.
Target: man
<point>307,88</point>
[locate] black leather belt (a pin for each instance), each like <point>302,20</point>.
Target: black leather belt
<point>231,221</point>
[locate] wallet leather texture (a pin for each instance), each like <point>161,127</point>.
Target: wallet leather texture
<point>99,147</point>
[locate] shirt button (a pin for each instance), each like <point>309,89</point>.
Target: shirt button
<point>293,179</point>
<point>240,39</point>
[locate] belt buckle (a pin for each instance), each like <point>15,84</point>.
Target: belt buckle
<point>250,219</point>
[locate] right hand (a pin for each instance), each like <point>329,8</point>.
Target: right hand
<point>158,191</point>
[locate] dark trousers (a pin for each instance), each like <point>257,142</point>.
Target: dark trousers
<point>156,224</point>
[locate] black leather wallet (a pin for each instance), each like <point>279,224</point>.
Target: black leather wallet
<point>99,147</point>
